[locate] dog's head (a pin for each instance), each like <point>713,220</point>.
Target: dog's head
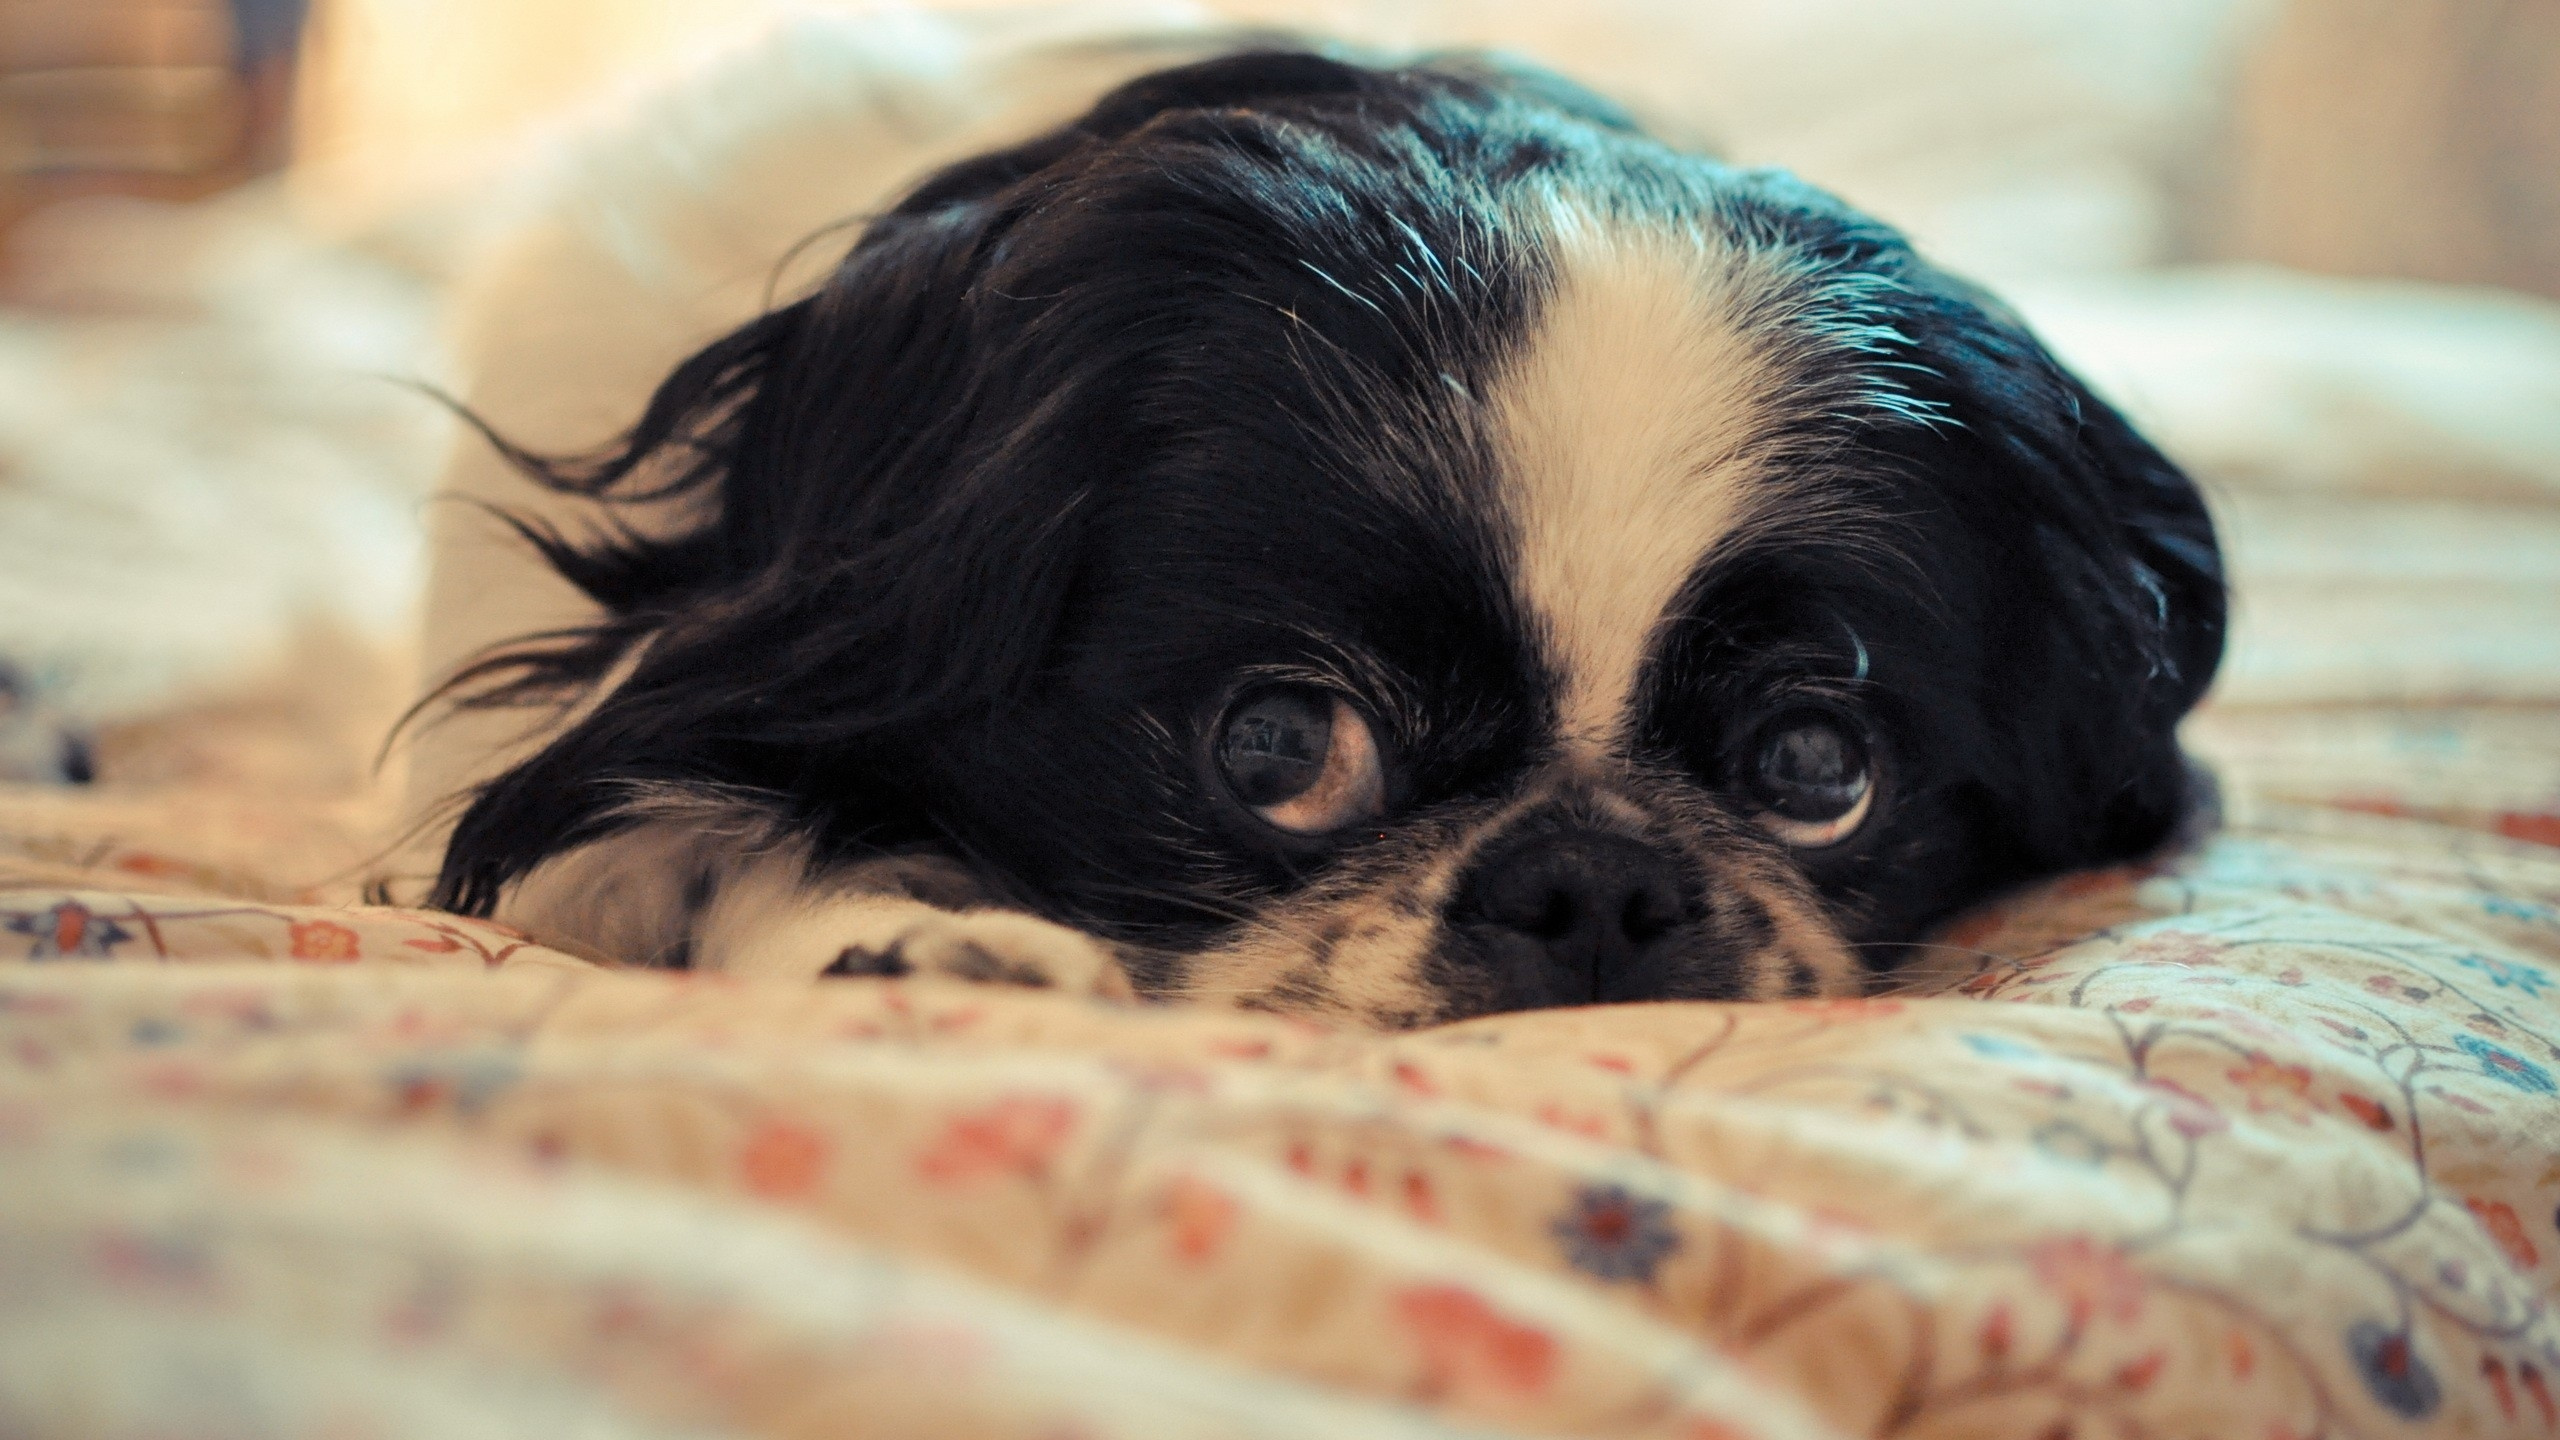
<point>1397,543</point>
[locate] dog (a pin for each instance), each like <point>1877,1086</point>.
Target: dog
<point>1381,542</point>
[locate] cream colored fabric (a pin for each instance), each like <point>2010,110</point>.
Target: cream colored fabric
<point>2263,1140</point>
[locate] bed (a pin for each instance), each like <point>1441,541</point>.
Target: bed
<point>2260,1137</point>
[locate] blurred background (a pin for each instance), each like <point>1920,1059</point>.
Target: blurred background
<point>2314,244</point>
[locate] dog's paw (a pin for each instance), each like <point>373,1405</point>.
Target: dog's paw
<point>991,947</point>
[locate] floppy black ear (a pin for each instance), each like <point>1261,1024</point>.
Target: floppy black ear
<point>2173,611</point>
<point>2179,616</point>
<point>876,545</point>
<point>887,540</point>
<point>2131,641</point>
<point>2104,607</point>
<point>2174,556</point>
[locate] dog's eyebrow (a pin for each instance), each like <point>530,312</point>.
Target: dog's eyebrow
<point>1332,661</point>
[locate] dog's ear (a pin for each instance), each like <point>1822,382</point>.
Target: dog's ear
<point>2175,561</point>
<point>2107,624</point>
<point>876,540</point>
<point>2161,638</point>
<point>2137,637</point>
<point>890,478</point>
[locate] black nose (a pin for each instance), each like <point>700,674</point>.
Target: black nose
<point>1591,902</point>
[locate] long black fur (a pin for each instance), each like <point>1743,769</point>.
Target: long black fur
<point>1080,429</point>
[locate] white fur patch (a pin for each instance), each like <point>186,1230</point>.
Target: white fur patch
<point>1631,425</point>
<point>721,889</point>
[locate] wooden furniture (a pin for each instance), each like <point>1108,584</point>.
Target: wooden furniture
<point>169,98</point>
<point>2416,138</point>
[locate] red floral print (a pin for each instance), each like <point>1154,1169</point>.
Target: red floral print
<point>1200,1217</point>
<point>2534,827</point>
<point>1470,1348</point>
<point>2499,1219</point>
<point>1578,1122</point>
<point>2138,1374</point>
<point>1355,1177</point>
<point>1017,1135</point>
<point>2189,1114</point>
<point>783,1161</point>
<point>1420,1200</point>
<point>2494,1370</point>
<point>2273,1089</point>
<point>1414,1080</point>
<point>157,867</point>
<point>2092,1279</point>
<point>1998,1333</point>
<point>2175,947</point>
<point>324,941</point>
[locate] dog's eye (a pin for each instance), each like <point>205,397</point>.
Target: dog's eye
<point>1811,777</point>
<point>1302,759</point>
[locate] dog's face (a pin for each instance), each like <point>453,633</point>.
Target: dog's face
<point>1402,544</point>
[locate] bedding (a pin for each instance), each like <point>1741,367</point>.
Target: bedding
<point>2259,1139</point>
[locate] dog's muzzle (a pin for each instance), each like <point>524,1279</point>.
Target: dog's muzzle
<point>1574,915</point>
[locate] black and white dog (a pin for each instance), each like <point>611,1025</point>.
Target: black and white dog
<point>1387,544</point>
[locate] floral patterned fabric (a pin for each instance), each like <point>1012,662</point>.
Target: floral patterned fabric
<point>2257,1141</point>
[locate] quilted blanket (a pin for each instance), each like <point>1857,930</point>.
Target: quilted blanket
<point>2257,1140</point>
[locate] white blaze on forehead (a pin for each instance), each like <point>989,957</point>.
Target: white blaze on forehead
<point>1628,425</point>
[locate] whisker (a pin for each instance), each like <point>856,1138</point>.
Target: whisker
<point>1236,911</point>
<point>1904,985</point>
<point>1991,955</point>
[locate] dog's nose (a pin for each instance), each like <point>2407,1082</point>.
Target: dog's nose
<point>1591,901</point>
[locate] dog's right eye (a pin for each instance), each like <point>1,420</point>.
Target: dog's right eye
<point>1302,759</point>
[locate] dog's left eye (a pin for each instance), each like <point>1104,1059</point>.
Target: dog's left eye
<point>1302,759</point>
<point>1810,773</point>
